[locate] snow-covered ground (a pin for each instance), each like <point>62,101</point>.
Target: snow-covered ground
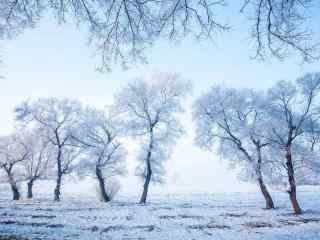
<point>215,216</point>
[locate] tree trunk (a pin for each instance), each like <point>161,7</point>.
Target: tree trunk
<point>263,187</point>
<point>266,194</point>
<point>102,186</point>
<point>14,188</point>
<point>30,185</point>
<point>144,195</point>
<point>143,198</point>
<point>15,192</point>
<point>294,201</point>
<point>57,191</point>
<point>292,191</point>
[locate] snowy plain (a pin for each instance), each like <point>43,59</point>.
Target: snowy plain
<point>235,216</point>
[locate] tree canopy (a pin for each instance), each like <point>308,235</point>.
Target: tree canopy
<point>123,29</point>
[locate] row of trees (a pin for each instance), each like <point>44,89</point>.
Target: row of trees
<point>55,138</point>
<point>273,136</point>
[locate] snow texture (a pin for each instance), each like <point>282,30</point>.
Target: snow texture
<point>204,216</point>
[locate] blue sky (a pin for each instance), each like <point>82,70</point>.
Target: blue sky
<point>57,61</point>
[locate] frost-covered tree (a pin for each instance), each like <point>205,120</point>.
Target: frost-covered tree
<point>39,164</point>
<point>303,165</point>
<point>232,122</point>
<point>290,107</point>
<point>13,151</point>
<point>150,109</point>
<point>59,119</point>
<point>312,140</point>
<point>99,135</point>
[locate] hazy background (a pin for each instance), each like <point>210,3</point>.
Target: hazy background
<point>57,61</point>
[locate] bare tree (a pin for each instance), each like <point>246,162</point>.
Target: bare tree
<point>290,107</point>
<point>150,109</point>
<point>281,27</point>
<point>105,156</point>
<point>59,119</point>
<point>36,166</point>
<point>13,151</point>
<point>231,121</point>
<point>123,29</point>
